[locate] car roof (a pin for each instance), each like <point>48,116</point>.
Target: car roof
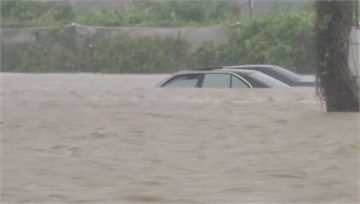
<point>214,70</point>
<point>251,66</point>
<point>269,66</point>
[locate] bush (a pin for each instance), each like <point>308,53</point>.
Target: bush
<point>285,39</point>
<point>19,14</point>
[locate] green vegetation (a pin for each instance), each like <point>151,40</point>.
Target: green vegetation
<point>284,38</point>
<point>19,14</point>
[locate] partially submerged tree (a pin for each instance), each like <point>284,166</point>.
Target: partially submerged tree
<point>335,82</point>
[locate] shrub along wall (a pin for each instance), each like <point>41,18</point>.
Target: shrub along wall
<point>60,50</point>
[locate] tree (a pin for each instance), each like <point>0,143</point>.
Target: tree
<point>334,78</point>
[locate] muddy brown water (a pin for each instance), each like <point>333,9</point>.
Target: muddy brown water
<point>87,138</point>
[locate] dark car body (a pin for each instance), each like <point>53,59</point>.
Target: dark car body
<point>288,77</point>
<point>221,78</point>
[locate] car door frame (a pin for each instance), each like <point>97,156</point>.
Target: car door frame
<point>241,79</point>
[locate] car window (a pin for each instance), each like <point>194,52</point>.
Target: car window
<point>267,80</point>
<point>288,74</point>
<point>184,81</point>
<point>237,83</point>
<point>276,75</point>
<point>216,81</point>
<point>282,74</point>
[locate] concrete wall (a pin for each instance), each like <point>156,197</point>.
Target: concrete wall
<point>75,38</point>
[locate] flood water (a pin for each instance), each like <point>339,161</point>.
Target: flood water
<point>87,138</point>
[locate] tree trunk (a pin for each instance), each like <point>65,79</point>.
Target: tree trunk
<point>335,83</point>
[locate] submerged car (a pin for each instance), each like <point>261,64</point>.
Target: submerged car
<point>221,78</point>
<point>288,77</point>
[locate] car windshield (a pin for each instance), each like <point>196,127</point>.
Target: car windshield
<point>267,80</point>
